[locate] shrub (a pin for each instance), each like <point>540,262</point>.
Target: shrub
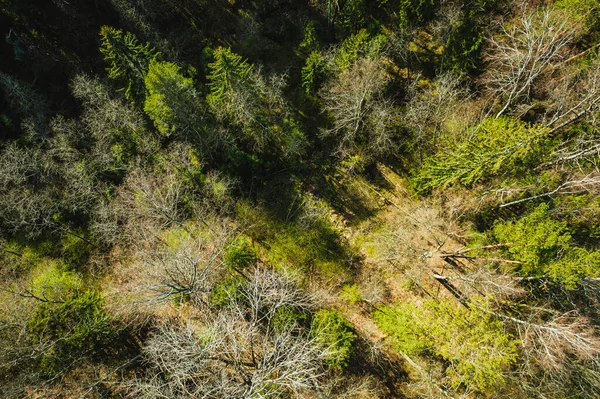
<point>54,282</point>
<point>240,254</point>
<point>76,249</point>
<point>337,335</point>
<point>351,293</point>
<point>401,323</point>
<point>287,317</point>
<point>576,264</point>
<point>225,290</point>
<point>318,248</point>
<point>74,329</point>
<point>577,9</point>
<point>475,345</point>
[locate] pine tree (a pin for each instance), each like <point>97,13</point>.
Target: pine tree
<point>128,61</point>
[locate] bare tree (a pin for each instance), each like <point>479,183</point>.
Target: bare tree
<point>574,184</point>
<point>153,202</point>
<point>106,223</point>
<point>267,291</point>
<point>552,342</point>
<point>360,115</point>
<point>228,359</point>
<point>428,110</point>
<point>184,270</point>
<point>109,120</point>
<point>582,148</point>
<point>523,52</point>
<point>237,353</point>
<point>67,173</point>
<point>575,97</point>
<point>28,204</point>
<point>23,98</point>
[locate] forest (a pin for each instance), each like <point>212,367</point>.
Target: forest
<point>284,199</point>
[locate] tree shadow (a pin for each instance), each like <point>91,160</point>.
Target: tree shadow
<point>386,369</point>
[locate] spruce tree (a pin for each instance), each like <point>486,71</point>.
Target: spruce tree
<point>229,79</point>
<point>171,99</point>
<point>128,61</point>
<point>502,146</point>
<point>253,105</point>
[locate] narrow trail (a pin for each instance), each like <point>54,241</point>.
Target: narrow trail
<point>363,323</point>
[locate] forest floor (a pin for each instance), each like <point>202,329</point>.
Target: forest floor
<point>401,246</point>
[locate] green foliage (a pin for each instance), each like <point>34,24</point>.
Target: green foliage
<point>463,46</point>
<point>536,240</point>
<point>259,118</point>
<point>467,36</point>
<point>416,12</point>
<point>310,43</point>
<point>351,293</point>
<point>5,121</point>
<point>74,329</point>
<point>240,254</point>
<point>401,323</point>
<point>359,45</point>
<point>313,73</point>
<point>476,346</point>
<point>19,257</point>
<point>218,190</point>
<point>54,282</point>
<point>171,99</point>
<point>229,77</point>
<point>351,17</point>
<point>353,164</point>
<point>76,249</point>
<point>177,237</point>
<point>576,264</point>
<point>128,61</point>
<point>498,147</point>
<point>580,212</point>
<point>577,9</point>
<point>317,248</point>
<point>286,318</point>
<point>99,182</point>
<point>544,246</point>
<point>337,335</point>
<point>226,290</point>
<point>288,134</point>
